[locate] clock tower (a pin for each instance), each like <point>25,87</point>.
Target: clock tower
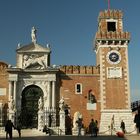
<point>111,47</point>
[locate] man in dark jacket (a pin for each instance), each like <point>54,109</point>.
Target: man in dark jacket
<point>8,128</point>
<point>137,121</point>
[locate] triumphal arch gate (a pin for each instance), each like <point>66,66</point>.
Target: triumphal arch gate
<point>32,86</point>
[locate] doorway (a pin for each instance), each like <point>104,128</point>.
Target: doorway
<point>29,106</point>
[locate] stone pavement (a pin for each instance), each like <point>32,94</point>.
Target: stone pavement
<point>37,135</point>
<point>76,138</point>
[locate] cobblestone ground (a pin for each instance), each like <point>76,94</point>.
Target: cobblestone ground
<point>75,138</point>
<point>39,135</point>
<point>68,138</point>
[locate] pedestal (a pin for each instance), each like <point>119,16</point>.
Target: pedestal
<point>119,115</point>
<point>40,120</point>
<point>62,122</point>
<point>12,116</point>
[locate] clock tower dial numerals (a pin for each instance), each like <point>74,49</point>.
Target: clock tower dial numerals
<point>113,57</point>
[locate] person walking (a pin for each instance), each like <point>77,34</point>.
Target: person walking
<point>79,124</point>
<point>19,129</point>
<point>122,126</point>
<point>92,127</point>
<point>137,121</point>
<point>96,128</point>
<point>8,128</point>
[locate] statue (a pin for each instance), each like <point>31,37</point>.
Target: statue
<point>61,104</point>
<point>112,122</point>
<point>40,103</point>
<point>77,116</point>
<point>11,103</point>
<point>33,34</point>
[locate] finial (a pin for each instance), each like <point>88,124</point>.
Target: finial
<point>19,45</point>
<point>33,34</point>
<point>48,45</point>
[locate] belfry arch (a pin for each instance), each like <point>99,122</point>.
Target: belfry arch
<point>29,106</point>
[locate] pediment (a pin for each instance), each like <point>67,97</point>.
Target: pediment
<point>33,47</point>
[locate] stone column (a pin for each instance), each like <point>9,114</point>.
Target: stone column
<point>14,94</point>
<point>49,95</point>
<point>62,122</point>
<point>11,112</point>
<point>10,90</point>
<point>53,94</point>
<point>15,103</point>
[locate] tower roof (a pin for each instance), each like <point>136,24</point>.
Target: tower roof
<point>111,14</point>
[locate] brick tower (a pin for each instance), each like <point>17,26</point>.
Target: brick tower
<point>111,47</point>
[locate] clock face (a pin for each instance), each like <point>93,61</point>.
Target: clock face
<point>113,57</point>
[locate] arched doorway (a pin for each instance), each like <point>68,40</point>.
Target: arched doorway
<point>29,106</point>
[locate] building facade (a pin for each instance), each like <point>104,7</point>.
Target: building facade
<point>111,45</point>
<point>3,92</point>
<point>102,92</point>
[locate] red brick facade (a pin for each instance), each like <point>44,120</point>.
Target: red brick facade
<point>4,89</point>
<point>88,77</point>
<point>3,82</point>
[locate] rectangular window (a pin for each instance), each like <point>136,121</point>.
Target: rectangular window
<point>111,26</point>
<point>78,88</point>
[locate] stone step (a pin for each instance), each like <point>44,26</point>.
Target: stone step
<point>32,132</point>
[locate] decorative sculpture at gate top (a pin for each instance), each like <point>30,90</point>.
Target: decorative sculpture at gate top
<point>33,34</point>
<point>34,61</point>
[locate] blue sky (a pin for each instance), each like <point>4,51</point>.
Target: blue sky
<point>69,26</point>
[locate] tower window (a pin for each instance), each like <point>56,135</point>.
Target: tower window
<point>111,26</point>
<point>78,88</point>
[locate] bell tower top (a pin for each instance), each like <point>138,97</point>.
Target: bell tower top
<point>110,27</point>
<point>110,21</point>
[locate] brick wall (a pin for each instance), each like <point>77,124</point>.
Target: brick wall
<point>4,89</point>
<point>78,102</point>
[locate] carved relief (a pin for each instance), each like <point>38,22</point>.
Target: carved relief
<point>40,104</point>
<point>34,61</point>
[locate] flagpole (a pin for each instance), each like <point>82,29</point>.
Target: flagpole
<point>108,5</point>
